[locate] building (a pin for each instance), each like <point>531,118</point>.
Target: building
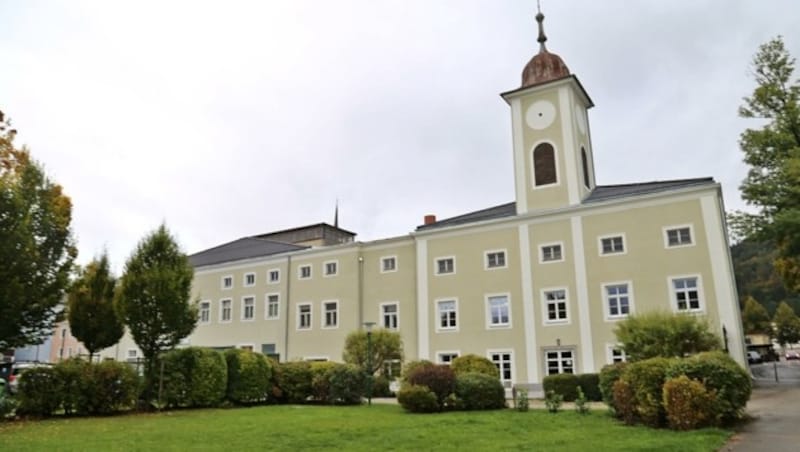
<point>537,285</point>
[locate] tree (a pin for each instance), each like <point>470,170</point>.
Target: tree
<point>153,299</point>
<point>756,276</point>
<point>36,245</point>
<point>787,325</point>
<point>755,318</point>
<point>773,154</point>
<point>664,334</point>
<point>386,345</point>
<point>90,307</point>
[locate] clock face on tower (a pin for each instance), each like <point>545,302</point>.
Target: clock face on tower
<point>540,115</point>
<point>580,117</point>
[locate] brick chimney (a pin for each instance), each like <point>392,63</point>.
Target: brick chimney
<point>430,219</point>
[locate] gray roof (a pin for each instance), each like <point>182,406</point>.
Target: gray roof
<point>244,248</point>
<point>599,194</point>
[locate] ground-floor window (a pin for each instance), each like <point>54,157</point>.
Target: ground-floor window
<point>560,362</point>
<point>504,362</point>
<point>446,357</point>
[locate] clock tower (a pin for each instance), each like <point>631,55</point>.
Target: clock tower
<point>553,164</point>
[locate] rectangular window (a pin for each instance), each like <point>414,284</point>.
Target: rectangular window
<point>133,353</point>
<point>498,311</point>
<point>503,361</point>
<point>304,272</point>
<point>495,259</point>
<point>331,268</point>
<point>555,304</point>
<point>612,245</point>
<point>248,308</point>
<point>388,264</point>
<point>446,357</point>
<point>686,293</point>
<point>330,314</point>
<point>445,265</point>
<point>618,300</point>
<point>227,282</point>
<point>225,310</point>
<point>304,316</point>
<point>551,253</point>
<point>390,315</point>
<point>616,354</point>
<point>274,276</point>
<point>248,347</point>
<point>678,236</point>
<point>447,313</point>
<point>273,306</point>
<point>560,362</point>
<point>249,279</point>
<point>205,312</point>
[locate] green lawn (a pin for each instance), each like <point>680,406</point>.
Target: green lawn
<point>379,427</point>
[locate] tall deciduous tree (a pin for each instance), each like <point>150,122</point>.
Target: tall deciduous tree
<point>153,298</point>
<point>664,334</point>
<point>787,325</point>
<point>386,345</point>
<point>755,318</point>
<point>90,307</point>
<point>36,245</point>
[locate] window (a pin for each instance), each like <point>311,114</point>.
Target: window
<point>686,293</point>
<point>249,279</point>
<point>550,253</point>
<point>498,311</point>
<point>616,354</point>
<point>555,304</point>
<point>446,357</point>
<point>273,276</point>
<point>227,282</point>
<point>304,316</point>
<point>330,314</point>
<point>248,347</point>
<point>205,312</point>
<point>248,308</point>
<point>388,264</point>
<point>133,353</point>
<point>678,236</point>
<point>390,315</point>
<point>304,272</point>
<point>273,306</point>
<point>585,162</point>
<point>612,244</point>
<point>225,310</point>
<point>496,259</point>
<point>544,165</point>
<point>445,265</point>
<point>560,362</point>
<point>447,313</point>
<point>503,361</point>
<point>331,268</point>
<point>618,300</point>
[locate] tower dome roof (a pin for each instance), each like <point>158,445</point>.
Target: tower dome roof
<point>544,66</point>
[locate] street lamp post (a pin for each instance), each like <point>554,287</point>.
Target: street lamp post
<point>368,326</point>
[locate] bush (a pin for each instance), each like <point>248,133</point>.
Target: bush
<point>590,385</point>
<point>249,377</point>
<point>381,387</point>
<point>112,386</point>
<point>194,377</point>
<point>521,400</point>
<point>624,401</point>
<point>411,366</point>
<point>553,401</point>
<point>294,381</point>
<point>608,376</point>
<point>417,399</point>
<point>440,379</point>
<point>347,383</point>
<point>562,384</point>
<point>7,404</point>
<point>478,391</point>
<point>40,392</point>
<point>474,363</point>
<point>647,380</point>
<point>320,380</point>
<point>72,373</point>
<point>581,402</point>
<point>721,375</point>
<point>665,334</point>
<point>689,405</point>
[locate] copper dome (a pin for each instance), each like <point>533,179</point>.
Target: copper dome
<point>545,66</point>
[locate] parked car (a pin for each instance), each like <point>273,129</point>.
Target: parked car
<point>792,355</point>
<point>17,369</point>
<point>753,357</point>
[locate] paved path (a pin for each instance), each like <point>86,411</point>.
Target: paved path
<point>775,409</point>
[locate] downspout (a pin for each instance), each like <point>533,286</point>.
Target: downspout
<point>360,290</point>
<point>288,299</point>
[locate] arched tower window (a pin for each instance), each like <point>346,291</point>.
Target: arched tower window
<point>585,162</point>
<point>544,164</point>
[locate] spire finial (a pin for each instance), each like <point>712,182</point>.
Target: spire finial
<point>336,215</point>
<point>540,19</point>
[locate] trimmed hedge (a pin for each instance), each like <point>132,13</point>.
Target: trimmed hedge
<point>249,377</point>
<point>439,378</point>
<point>689,405</point>
<point>563,384</point>
<point>72,373</point>
<point>478,391</point>
<point>347,383</point>
<point>113,386</point>
<point>474,363</point>
<point>590,385</point>
<point>608,376</point>
<point>646,379</point>
<point>293,381</point>
<point>320,380</point>
<point>417,399</point>
<point>194,377</point>
<point>40,392</point>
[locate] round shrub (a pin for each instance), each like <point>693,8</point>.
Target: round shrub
<point>440,379</point>
<point>249,377</point>
<point>624,401</point>
<point>194,377</point>
<point>72,373</point>
<point>411,366</point>
<point>689,405</point>
<point>647,380</point>
<point>608,376</point>
<point>347,383</point>
<point>113,386</point>
<point>320,379</point>
<point>478,391</point>
<point>40,391</point>
<point>565,385</point>
<point>417,399</point>
<point>381,387</point>
<point>474,363</point>
<point>293,381</point>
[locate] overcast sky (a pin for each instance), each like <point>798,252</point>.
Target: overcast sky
<point>228,119</point>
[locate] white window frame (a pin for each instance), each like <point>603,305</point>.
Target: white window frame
<point>300,271</point>
<point>692,240</point>
<point>222,310</point>
<point>486,254</point>
<point>382,315</point>
<point>382,265</point>
<point>544,301</point>
<point>247,346</point>
<point>542,246</point>
<point>324,315</point>
<point>244,279</point>
<point>673,294</point>
<point>507,382</point>
<point>619,235</point>
<point>269,276</point>
<point>133,353</point>
<point>610,349</point>
<point>487,300</point>
<point>243,317</point>
<point>607,302</point>
<point>453,354</point>
<point>222,282</point>
<point>310,313</point>
<point>444,258</point>
<point>267,306</point>
<point>439,327</point>
<point>335,272</point>
<point>561,367</point>
<point>206,310</point>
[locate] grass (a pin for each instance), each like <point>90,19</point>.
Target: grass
<point>379,427</point>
